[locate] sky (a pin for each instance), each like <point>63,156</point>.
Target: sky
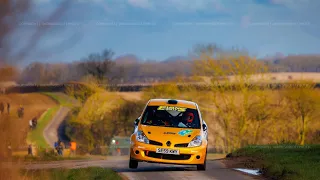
<point>158,29</point>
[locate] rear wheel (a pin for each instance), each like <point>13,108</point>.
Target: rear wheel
<point>133,164</point>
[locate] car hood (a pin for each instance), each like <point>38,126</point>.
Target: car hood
<point>164,134</point>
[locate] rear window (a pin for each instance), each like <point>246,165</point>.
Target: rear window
<point>171,116</point>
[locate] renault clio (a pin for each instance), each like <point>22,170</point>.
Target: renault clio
<point>169,131</point>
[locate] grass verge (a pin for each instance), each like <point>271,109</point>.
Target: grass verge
<point>60,98</point>
<point>280,161</point>
<point>82,173</point>
<point>36,136</point>
<point>214,156</point>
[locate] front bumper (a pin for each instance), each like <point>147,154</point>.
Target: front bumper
<point>188,156</point>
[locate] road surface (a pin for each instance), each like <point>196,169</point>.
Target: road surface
<point>215,170</point>
<point>53,131</point>
<point>50,133</point>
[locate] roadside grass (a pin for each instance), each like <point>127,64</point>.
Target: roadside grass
<point>46,158</point>
<point>36,136</point>
<point>214,156</point>
<point>60,98</point>
<point>283,161</point>
<point>82,173</point>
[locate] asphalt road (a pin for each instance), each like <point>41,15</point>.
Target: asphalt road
<point>215,170</point>
<point>50,133</point>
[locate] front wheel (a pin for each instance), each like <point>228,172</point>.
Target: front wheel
<point>202,167</point>
<point>133,164</point>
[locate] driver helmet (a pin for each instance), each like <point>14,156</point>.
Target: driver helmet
<point>189,117</point>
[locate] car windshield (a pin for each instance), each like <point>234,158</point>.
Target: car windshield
<point>171,116</point>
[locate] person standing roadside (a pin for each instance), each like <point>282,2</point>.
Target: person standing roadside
<point>56,146</point>
<point>73,148</point>
<point>8,107</point>
<point>20,112</point>
<point>1,107</point>
<point>31,124</point>
<point>34,122</point>
<point>60,148</point>
<point>30,150</point>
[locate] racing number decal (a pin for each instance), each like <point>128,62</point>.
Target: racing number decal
<point>171,108</point>
<point>185,132</point>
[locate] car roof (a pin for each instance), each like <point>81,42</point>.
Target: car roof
<point>164,102</point>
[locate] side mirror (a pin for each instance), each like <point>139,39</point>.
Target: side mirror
<point>204,127</point>
<point>136,122</point>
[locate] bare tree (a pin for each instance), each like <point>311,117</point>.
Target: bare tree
<point>302,103</point>
<point>98,65</point>
<point>228,70</point>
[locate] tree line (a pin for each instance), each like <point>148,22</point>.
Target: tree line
<point>130,69</point>
<point>248,116</point>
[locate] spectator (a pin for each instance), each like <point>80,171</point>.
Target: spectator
<point>9,151</point>
<point>31,124</point>
<point>20,112</point>
<point>60,148</point>
<point>34,122</point>
<point>73,148</point>
<point>1,108</point>
<point>30,150</point>
<point>56,146</point>
<point>8,107</point>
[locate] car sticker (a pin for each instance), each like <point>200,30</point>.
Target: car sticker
<point>172,108</point>
<point>184,132</point>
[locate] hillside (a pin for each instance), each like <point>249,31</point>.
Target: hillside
<point>34,105</point>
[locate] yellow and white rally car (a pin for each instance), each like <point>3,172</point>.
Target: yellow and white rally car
<point>169,131</point>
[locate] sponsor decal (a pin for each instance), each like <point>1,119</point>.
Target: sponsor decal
<point>185,132</point>
<point>169,133</point>
<point>171,108</point>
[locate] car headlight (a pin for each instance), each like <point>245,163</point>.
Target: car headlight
<point>196,141</point>
<point>141,137</point>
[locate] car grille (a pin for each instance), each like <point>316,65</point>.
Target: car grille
<point>168,156</point>
<point>155,143</point>
<point>181,145</point>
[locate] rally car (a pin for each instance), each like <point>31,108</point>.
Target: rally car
<point>169,131</point>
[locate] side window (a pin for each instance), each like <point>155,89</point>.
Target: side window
<point>145,117</point>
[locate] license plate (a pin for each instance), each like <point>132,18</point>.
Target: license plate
<point>167,151</point>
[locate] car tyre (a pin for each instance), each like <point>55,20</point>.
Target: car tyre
<point>133,164</point>
<point>202,167</point>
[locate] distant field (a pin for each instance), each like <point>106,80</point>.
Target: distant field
<point>34,104</point>
<point>279,77</point>
<point>288,76</point>
<point>131,95</point>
